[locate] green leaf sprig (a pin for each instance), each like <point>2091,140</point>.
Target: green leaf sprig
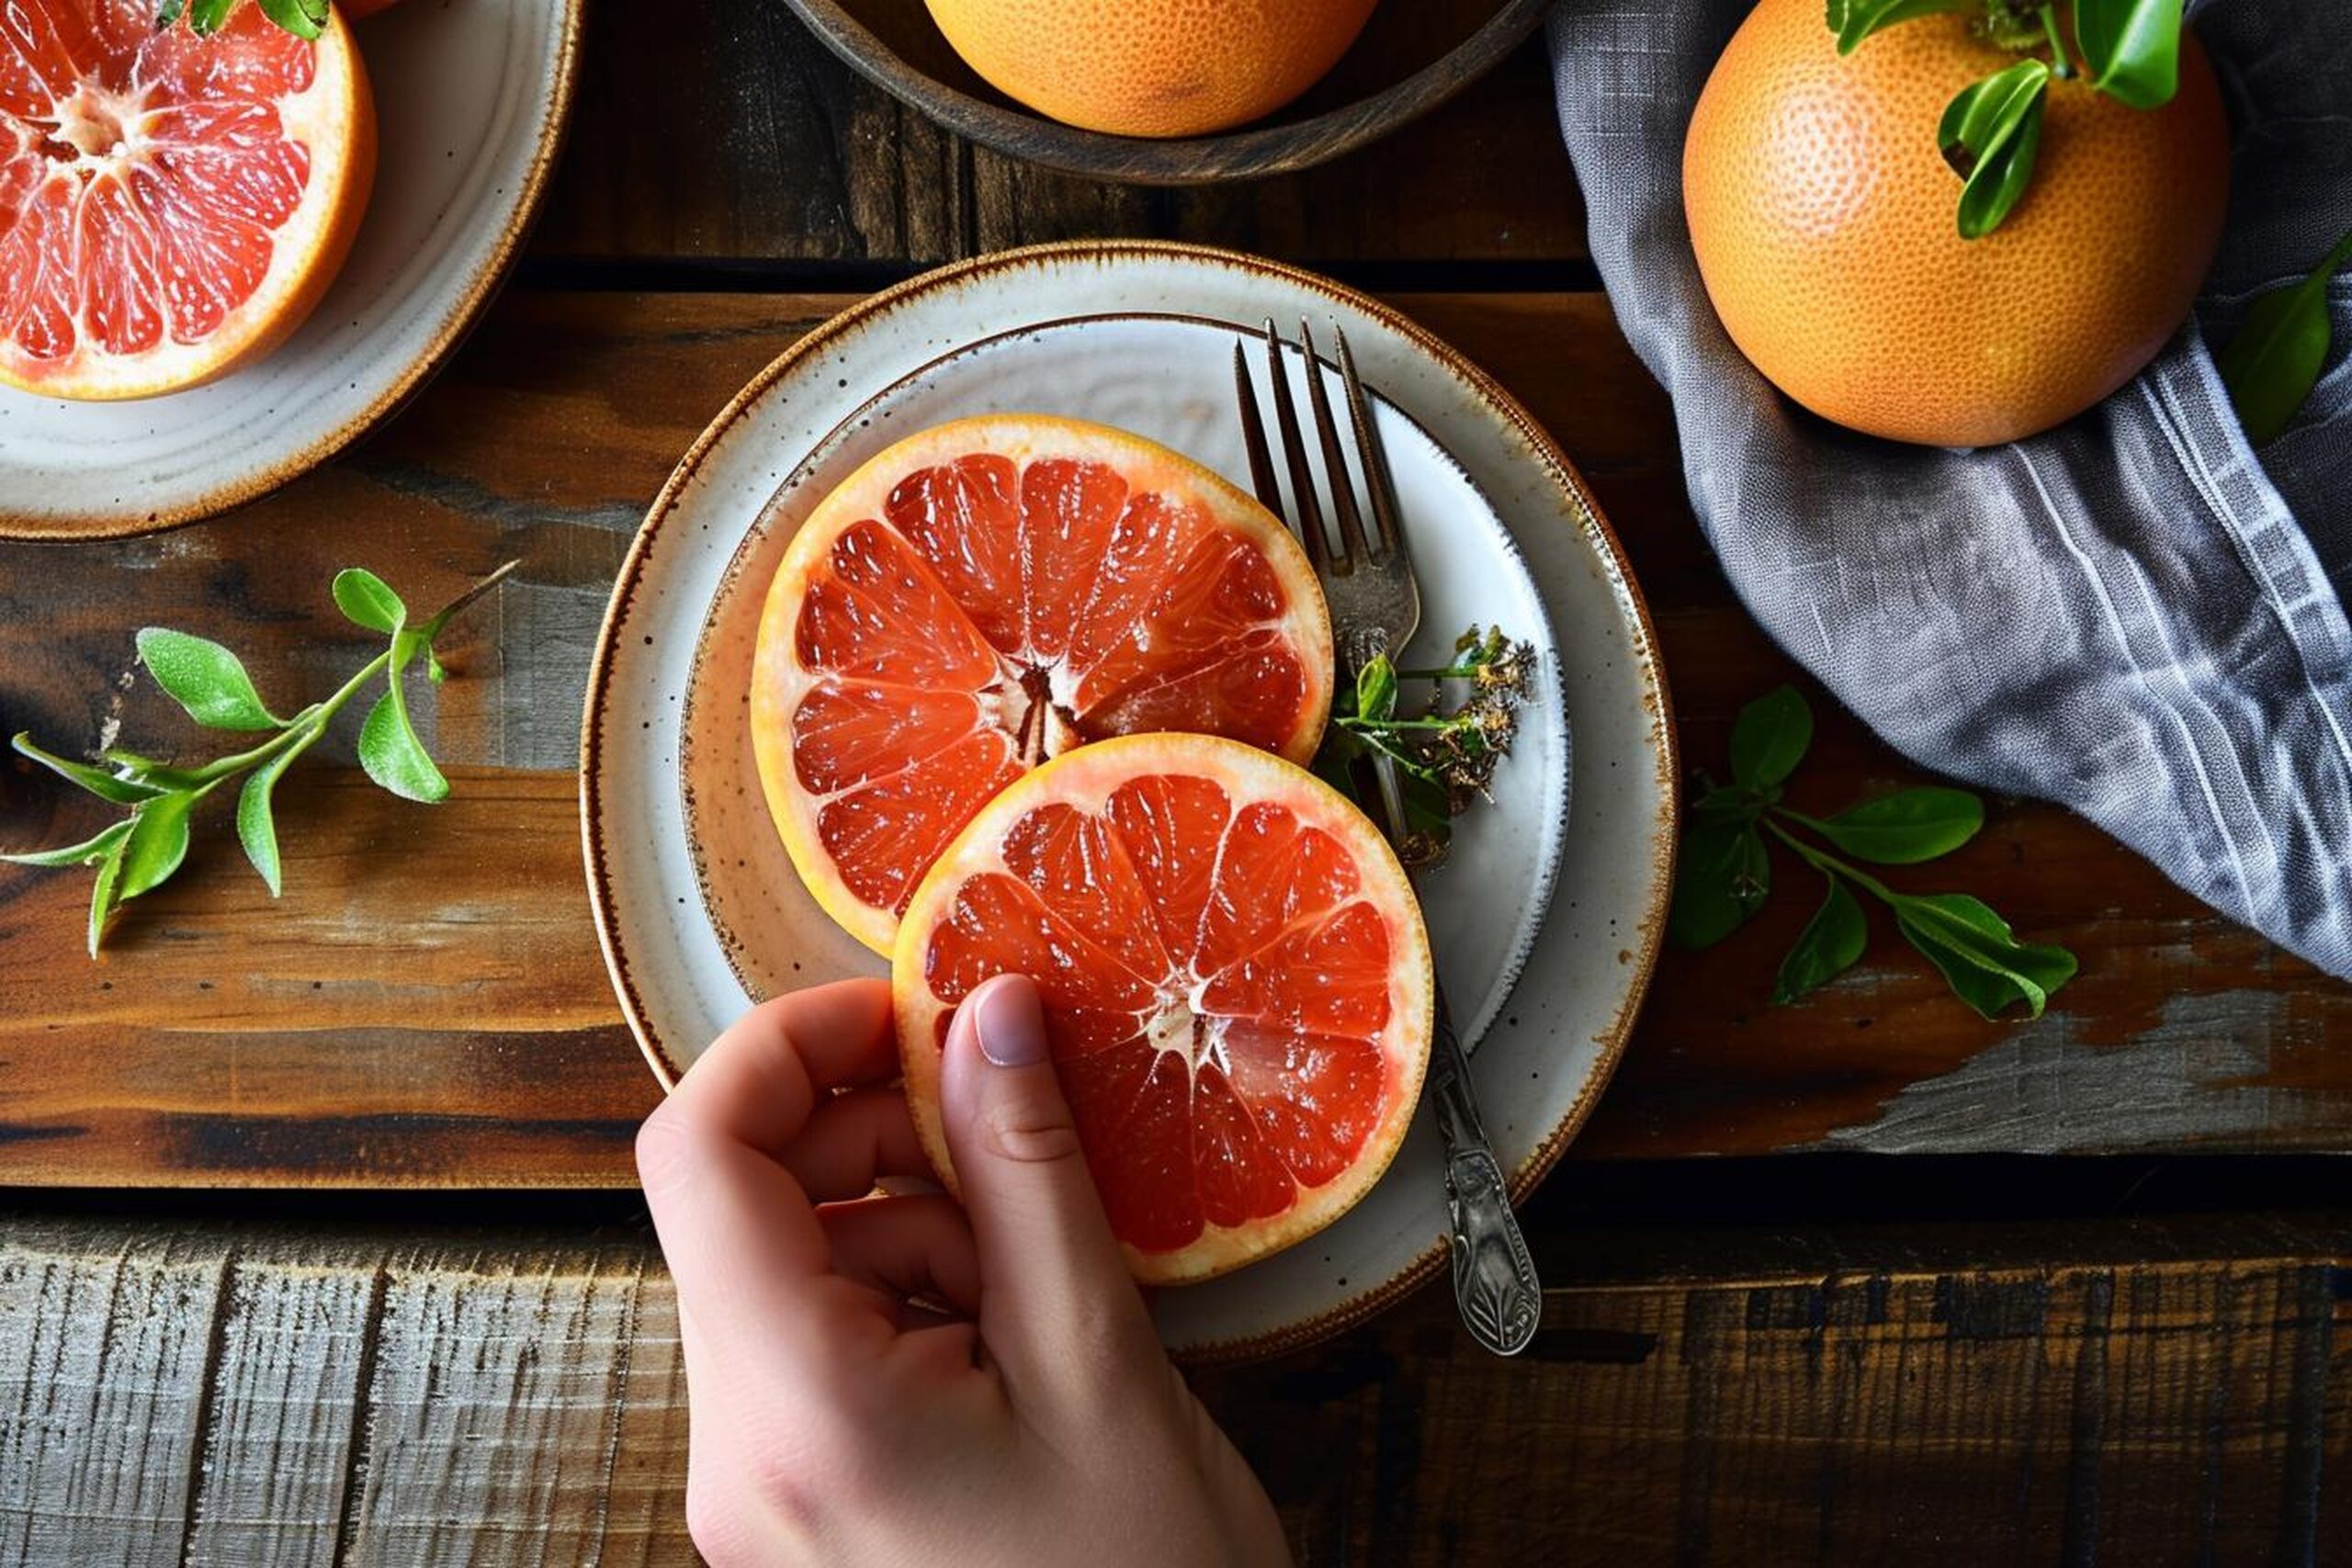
<point>1725,873</point>
<point>2274,362</point>
<point>1447,751</point>
<point>1992,131</point>
<point>142,851</point>
<point>303,18</point>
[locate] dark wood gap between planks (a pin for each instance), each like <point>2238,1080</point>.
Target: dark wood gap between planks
<point>772,275</point>
<point>1764,1206</point>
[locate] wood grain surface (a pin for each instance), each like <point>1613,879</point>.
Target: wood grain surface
<point>770,149</point>
<point>263,1397</point>
<point>425,1004</point>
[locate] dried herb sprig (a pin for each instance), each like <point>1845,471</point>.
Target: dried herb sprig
<point>140,851</point>
<point>1446,751</point>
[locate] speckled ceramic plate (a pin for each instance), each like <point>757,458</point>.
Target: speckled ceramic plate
<point>471,100</point>
<point>698,910</point>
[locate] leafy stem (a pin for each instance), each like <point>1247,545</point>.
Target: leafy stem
<point>1725,876</point>
<point>2130,51</point>
<point>2274,362</point>
<point>209,682</point>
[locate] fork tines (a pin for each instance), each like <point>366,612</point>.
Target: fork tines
<point>1371,469</point>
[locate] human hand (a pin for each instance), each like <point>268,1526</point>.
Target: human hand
<point>1027,1416</point>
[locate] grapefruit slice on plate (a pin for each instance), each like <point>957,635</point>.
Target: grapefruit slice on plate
<point>1235,979</point>
<point>989,593</point>
<point>172,206</point>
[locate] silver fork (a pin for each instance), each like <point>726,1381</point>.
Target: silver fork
<point>1376,607</point>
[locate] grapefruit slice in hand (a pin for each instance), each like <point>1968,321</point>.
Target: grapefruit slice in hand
<point>1236,983</point>
<point>171,206</point>
<point>988,594</point>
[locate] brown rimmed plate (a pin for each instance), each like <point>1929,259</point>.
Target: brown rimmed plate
<point>1563,1023</point>
<point>471,103</point>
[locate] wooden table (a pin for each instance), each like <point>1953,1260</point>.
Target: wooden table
<point>1782,1352</point>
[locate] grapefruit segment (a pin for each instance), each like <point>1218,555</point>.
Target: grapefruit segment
<point>1236,981</point>
<point>171,206</point>
<point>985,596</point>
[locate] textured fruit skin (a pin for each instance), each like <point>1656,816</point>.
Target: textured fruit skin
<point>1824,220</point>
<point>1151,67</point>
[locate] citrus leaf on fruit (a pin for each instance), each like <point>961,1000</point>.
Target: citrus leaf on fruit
<point>2132,48</point>
<point>206,679</point>
<point>1769,737</point>
<point>1830,944</point>
<point>1990,133</point>
<point>1904,827</point>
<point>1854,20</point>
<point>2273,363</point>
<point>303,18</point>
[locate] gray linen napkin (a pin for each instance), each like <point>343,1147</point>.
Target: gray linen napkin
<point>2134,615</point>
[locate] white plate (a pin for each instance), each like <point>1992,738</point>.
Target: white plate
<point>471,101</point>
<point>1484,907</point>
<point>1558,1032</point>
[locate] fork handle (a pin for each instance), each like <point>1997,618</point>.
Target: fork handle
<point>1495,1287</point>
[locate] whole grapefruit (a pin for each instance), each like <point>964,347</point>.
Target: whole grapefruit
<point>1151,67</point>
<point>1823,217</point>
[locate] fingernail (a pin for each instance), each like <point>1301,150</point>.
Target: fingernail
<point>1010,1024</point>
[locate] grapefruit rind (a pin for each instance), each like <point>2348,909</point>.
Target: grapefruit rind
<point>334,120</point>
<point>779,683</point>
<point>1086,778</point>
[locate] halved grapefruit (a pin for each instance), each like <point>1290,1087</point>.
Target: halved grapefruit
<point>171,206</point>
<point>985,595</point>
<point>1235,980</point>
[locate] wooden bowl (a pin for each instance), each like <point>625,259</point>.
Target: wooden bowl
<point>1412,56</point>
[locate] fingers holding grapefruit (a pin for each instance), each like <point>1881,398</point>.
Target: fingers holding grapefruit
<point>172,206</point>
<point>1235,979</point>
<point>990,593</point>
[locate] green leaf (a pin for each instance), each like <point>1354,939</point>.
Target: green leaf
<point>1830,944</point>
<point>206,16</point>
<point>1904,827</point>
<point>98,780</point>
<point>2132,48</point>
<point>1721,878</point>
<point>303,18</point>
<point>1854,20</point>
<point>393,756</point>
<point>84,853</point>
<point>256,824</point>
<point>102,898</point>
<point>168,12</point>
<point>158,842</point>
<point>1376,690</point>
<point>364,598</point>
<point>1730,804</point>
<point>160,777</point>
<point>1769,737</point>
<point>2273,363</point>
<point>1989,135</point>
<point>1986,967</point>
<point>206,679</point>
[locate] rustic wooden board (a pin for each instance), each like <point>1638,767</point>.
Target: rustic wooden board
<point>426,1005</point>
<point>263,1397</point>
<point>726,132</point>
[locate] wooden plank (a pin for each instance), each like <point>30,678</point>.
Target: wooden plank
<point>426,1005</point>
<point>266,1395</point>
<point>728,131</point>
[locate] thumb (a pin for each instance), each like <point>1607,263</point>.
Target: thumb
<point>1055,1297</point>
